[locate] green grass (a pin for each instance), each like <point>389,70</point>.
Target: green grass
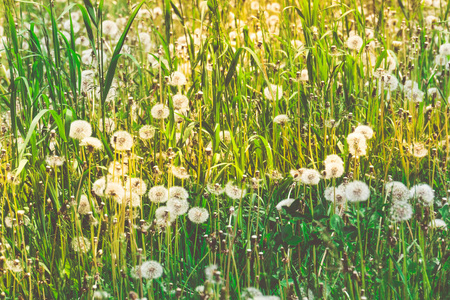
<point>231,55</point>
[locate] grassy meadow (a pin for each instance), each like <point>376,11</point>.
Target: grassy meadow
<point>187,149</point>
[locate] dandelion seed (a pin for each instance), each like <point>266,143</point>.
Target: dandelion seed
<point>178,206</point>
<point>180,173</point>
<point>401,211</point>
<point>438,224</point>
<point>117,168</point>
<point>121,141</point>
<point>180,102</point>
<point>198,215</point>
<point>55,161</point>
<point>110,28</point>
<point>251,293</point>
<point>177,79</point>
<point>398,191</point>
<point>234,192</point>
<point>266,298</point>
<point>225,136</point>
<point>357,191</point>
<point>115,191</point>
<point>132,199</point>
<point>423,193</point>
<point>357,144</point>
<point>336,194</point>
<point>147,132</point>
<point>418,150</point>
<point>91,144</point>
<point>84,207</point>
<point>160,111</point>
<point>310,177</point>
<point>81,244</point>
<point>151,270</point>
<point>98,187</point>
<point>354,42</point>
<point>281,120</point>
<point>136,185</point>
<point>14,266</point>
<point>334,170</point>
<point>158,194</point>
<point>109,125</point>
<point>444,49</point>
<point>333,158</point>
<point>297,174</point>
<point>365,130</point>
<point>80,129</point>
<point>304,75</point>
<point>209,272</point>
<point>178,192</point>
<point>275,175</point>
<point>273,92</point>
<point>215,189</point>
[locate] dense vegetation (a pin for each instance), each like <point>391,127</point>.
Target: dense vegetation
<point>225,149</point>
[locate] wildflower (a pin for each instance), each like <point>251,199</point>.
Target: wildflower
<point>198,215</point>
<point>178,192</point>
<point>180,102</point>
<point>441,60</point>
<point>209,272</point>
<point>365,130</point>
<point>55,161</point>
<point>335,194</point>
<point>275,175</point>
<point>14,266</point>
<point>334,170</point>
<point>357,191</point>
<point>115,191</point>
<point>178,206</point>
<point>215,189</point>
<point>304,75</point>
<point>354,42</point>
<point>158,194</point>
<point>281,120</point>
<point>401,211</point>
<point>177,79</point>
<point>109,125</point>
<point>234,192</point>
<point>147,132</point>
<point>110,28</point>
<point>297,174</point>
<point>160,111</point>
<point>121,141</point>
<point>273,92</point>
<point>423,193</point>
<point>81,244</point>
<point>136,185</point>
<point>357,144</point>
<point>151,270</point>
<point>80,129</point>
<point>438,224</point>
<point>251,293</point>
<point>180,173</point>
<point>398,191</point>
<point>98,295</point>
<point>310,177</point>
<point>418,150</point>
<point>285,202</point>
<point>84,207</point>
<point>132,199</point>
<point>254,5</point>
<point>333,158</point>
<point>415,95</point>
<point>444,49</point>
<point>91,144</point>
<point>98,187</point>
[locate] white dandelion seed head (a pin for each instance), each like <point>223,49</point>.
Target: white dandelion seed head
<point>357,144</point>
<point>116,191</point>
<point>198,215</point>
<point>55,161</point>
<point>121,141</point>
<point>147,132</point>
<point>178,192</point>
<point>215,189</point>
<point>109,125</point>
<point>151,270</point>
<point>158,194</point>
<point>136,185</point>
<point>335,194</point>
<point>423,193</point>
<point>357,191</point>
<point>166,213</point>
<point>80,129</point>
<point>14,265</point>
<point>92,143</point>
<point>132,199</point>
<point>84,207</point>
<point>333,158</point>
<point>310,177</point>
<point>117,168</point>
<point>110,28</point>
<point>177,79</point>
<point>354,42</point>
<point>98,187</point>
<point>334,170</point>
<point>81,244</point>
<point>444,49</point>
<point>160,111</point>
<point>180,172</point>
<point>401,211</point>
<point>365,130</point>
<point>178,206</point>
<point>251,293</point>
<point>438,224</point>
<point>398,191</point>
<point>273,92</point>
<point>281,120</point>
<point>209,272</point>
<point>180,102</point>
<point>234,192</point>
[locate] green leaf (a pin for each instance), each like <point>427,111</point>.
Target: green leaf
<point>337,224</point>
